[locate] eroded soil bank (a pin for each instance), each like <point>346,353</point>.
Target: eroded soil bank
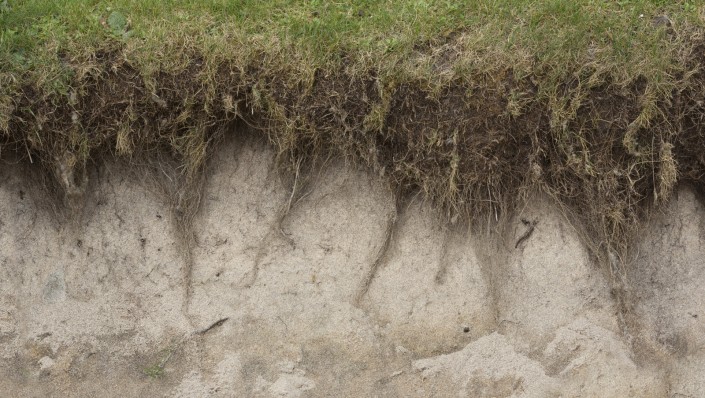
<point>335,293</point>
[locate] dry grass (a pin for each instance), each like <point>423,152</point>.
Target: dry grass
<point>599,104</point>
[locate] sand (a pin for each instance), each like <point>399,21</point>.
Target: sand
<point>333,294</point>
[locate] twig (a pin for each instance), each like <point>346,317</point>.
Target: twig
<point>215,324</point>
<point>530,230</point>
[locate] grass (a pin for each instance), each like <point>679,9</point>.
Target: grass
<point>597,103</point>
<point>556,33</point>
<point>154,372</point>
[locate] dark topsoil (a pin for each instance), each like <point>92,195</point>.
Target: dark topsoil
<point>468,145</point>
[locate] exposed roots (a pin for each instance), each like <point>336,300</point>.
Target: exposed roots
<point>442,271</point>
<point>474,143</point>
<point>73,179</point>
<point>379,258</point>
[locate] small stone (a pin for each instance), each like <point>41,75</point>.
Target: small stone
<point>45,363</point>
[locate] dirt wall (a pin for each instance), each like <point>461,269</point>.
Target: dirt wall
<point>339,291</point>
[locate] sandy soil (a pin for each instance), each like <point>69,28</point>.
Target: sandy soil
<point>336,297</point>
